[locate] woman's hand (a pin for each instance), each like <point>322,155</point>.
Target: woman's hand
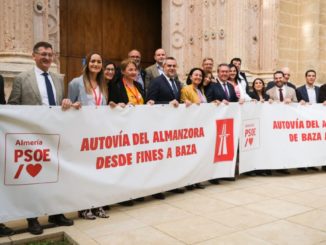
<point>150,102</point>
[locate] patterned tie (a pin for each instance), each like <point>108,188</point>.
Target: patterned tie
<point>281,95</point>
<point>226,91</point>
<point>174,88</point>
<point>49,89</point>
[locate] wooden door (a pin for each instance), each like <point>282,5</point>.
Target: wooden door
<point>110,27</point>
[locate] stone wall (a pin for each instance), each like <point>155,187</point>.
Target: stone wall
<point>221,29</point>
<point>23,23</point>
<point>266,34</point>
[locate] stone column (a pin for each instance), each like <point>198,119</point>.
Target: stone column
<point>321,76</point>
<point>23,23</point>
<point>309,32</point>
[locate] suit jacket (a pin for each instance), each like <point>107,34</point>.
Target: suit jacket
<point>322,94</point>
<point>2,91</point>
<point>271,84</point>
<point>118,92</point>
<point>274,94</point>
<point>215,91</point>
<point>25,89</point>
<point>255,96</point>
<point>189,93</point>
<point>302,93</point>
<point>151,73</point>
<point>161,92</point>
<point>77,92</point>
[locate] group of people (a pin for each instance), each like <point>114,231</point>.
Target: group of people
<point>103,83</point>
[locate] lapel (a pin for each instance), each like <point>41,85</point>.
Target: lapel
<point>167,84</point>
<point>317,92</point>
<point>155,71</point>
<point>31,79</point>
<point>305,94</point>
<point>57,85</point>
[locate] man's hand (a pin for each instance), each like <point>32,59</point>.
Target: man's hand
<point>174,103</point>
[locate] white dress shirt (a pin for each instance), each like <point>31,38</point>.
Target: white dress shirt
<point>42,86</point>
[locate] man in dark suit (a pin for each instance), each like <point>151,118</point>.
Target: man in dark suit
<point>165,89</point>
<point>222,90</point>
<point>286,82</point>
<point>135,55</point>
<point>156,69</point>
<point>38,86</point>
<point>308,92</point>
<point>242,76</point>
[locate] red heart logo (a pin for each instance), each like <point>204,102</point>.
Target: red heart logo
<point>251,140</point>
<point>33,169</point>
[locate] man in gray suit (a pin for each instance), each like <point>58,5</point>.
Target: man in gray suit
<point>38,86</point>
<point>280,92</point>
<point>156,69</point>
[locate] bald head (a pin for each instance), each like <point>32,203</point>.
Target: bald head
<point>159,56</point>
<point>287,74</point>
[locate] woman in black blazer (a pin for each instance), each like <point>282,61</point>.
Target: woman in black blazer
<point>258,93</point>
<point>322,94</point>
<point>258,90</point>
<point>127,90</point>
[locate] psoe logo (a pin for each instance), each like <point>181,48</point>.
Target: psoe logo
<point>31,158</point>
<point>224,147</point>
<point>250,135</point>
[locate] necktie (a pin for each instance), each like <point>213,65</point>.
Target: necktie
<point>49,89</point>
<point>226,91</point>
<point>174,88</point>
<point>281,95</point>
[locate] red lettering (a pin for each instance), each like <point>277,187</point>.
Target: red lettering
<point>29,155</point>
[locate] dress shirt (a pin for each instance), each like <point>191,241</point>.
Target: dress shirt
<point>42,86</point>
<point>311,94</point>
<point>168,78</point>
<point>159,69</point>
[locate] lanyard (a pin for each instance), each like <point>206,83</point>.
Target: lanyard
<point>134,91</point>
<point>97,100</point>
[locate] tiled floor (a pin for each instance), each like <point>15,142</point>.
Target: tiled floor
<point>253,210</point>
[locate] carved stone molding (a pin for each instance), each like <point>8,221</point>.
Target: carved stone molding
<point>177,2</point>
<point>177,39</point>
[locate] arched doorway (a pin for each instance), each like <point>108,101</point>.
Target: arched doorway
<point>109,27</point>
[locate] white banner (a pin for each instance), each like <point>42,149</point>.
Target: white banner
<point>55,162</point>
<point>279,136</point>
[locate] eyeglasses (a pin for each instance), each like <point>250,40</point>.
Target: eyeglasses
<point>172,66</point>
<point>50,55</point>
<point>109,69</point>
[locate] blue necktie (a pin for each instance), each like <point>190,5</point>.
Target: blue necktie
<point>174,88</point>
<point>226,91</point>
<point>49,89</point>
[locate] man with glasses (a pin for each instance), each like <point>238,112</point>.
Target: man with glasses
<point>136,56</point>
<point>39,86</point>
